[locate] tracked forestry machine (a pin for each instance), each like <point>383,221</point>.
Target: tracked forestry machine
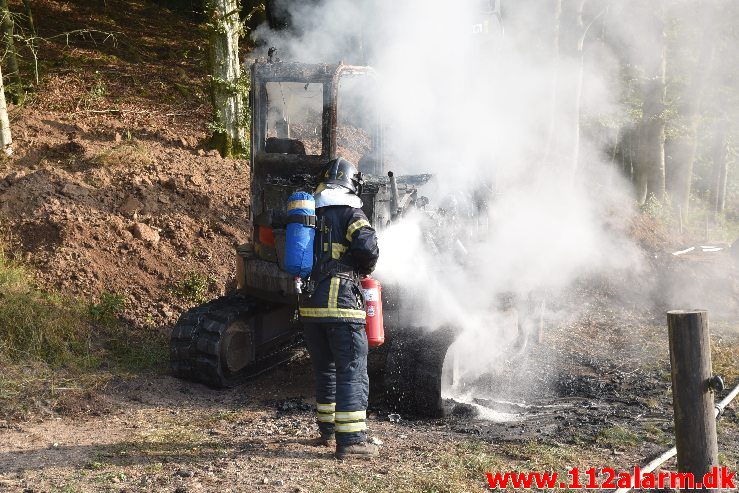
<point>303,115</point>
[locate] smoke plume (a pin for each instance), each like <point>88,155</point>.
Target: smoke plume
<point>505,111</point>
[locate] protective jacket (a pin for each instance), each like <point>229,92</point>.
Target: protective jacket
<point>345,247</point>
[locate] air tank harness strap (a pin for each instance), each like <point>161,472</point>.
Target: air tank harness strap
<point>337,269</point>
<point>334,268</point>
<point>305,220</point>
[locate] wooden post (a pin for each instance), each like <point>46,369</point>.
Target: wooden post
<point>692,400</point>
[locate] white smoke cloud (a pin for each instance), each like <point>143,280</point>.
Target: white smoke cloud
<point>476,111</point>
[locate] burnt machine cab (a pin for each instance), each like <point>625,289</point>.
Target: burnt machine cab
<point>302,116</point>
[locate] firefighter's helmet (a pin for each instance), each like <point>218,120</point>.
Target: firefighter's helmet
<point>341,172</point>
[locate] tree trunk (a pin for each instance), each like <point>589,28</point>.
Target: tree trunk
<point>703,70</point>
<point>624,151</point>
<point>633,147</point>
<point>6,141</point>
<point>228,88</point>
<point>32,40</point>
<point>641,167</point>
<point>29,17</point>
<point>582,32</point>
<point>652,142</point>
<point>721,168</point>
<point>7,28</point>
<point>723,177</point>
<point>550,143</point>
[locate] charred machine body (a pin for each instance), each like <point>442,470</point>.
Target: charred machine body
<point>303,115</point>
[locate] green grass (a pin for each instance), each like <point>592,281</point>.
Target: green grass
<point>721,227</point>
<point>656,434</point>
<point>724,360</point>
<point>50,342</point>
<point>541,455</point>
<point>106,311</point>
<point>193,288</point>
<point>130,153</point>
<point>728,430</point>
<point>700,221</point>
<point>617,438</point>
<point>38,326</point>
<point>458,466</point>
<point>174,441</point>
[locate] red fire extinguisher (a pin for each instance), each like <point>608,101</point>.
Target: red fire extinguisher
<point>373,304</point>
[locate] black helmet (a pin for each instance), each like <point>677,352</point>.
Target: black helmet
<point>341,172</point>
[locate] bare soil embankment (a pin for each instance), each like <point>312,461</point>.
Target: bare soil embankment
<point>112,187</point>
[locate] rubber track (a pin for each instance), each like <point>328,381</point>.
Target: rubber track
<point>196,338</point>
<point>413,370</point>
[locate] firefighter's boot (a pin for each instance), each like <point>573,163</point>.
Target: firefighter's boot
<point>324,440</point>
<point>363,449</point>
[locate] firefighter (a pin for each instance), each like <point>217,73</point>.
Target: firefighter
<point>333,315</point>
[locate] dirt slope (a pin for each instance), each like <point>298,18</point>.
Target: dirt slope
<point>111,188</point>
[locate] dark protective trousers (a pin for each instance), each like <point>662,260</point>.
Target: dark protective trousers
<point>338,352</point>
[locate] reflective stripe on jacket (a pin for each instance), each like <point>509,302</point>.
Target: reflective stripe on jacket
<point>345,245</point>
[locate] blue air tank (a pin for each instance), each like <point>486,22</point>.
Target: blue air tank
<point>301,231</point>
